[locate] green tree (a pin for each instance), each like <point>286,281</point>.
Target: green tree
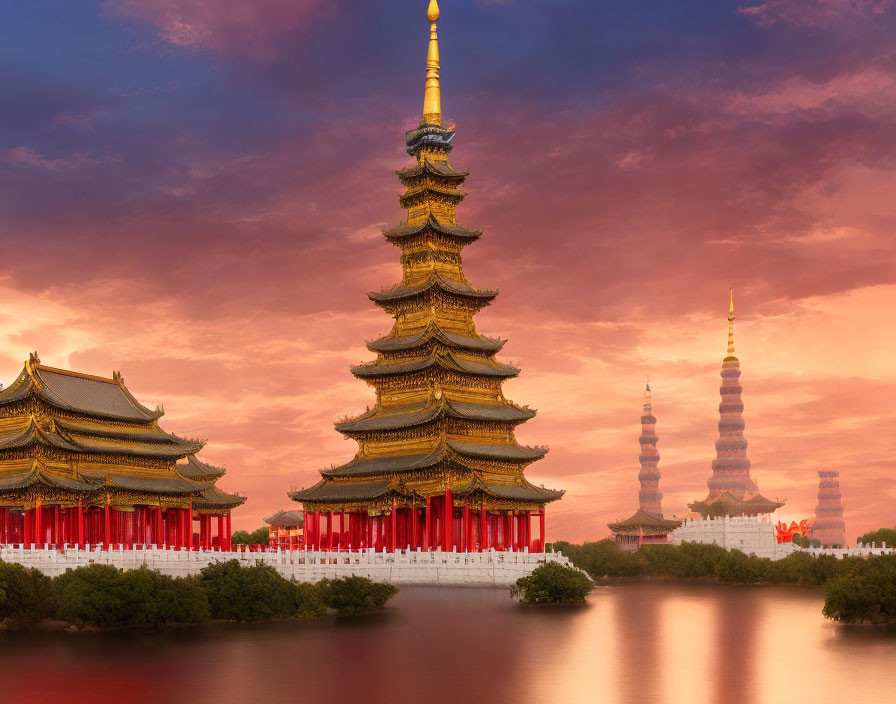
<point>351,596</point>
<point>879,537</point>
<point>259,536</point>
<point>25,594</point>
<point>553,583</point>
<point>240,537</point>
<point>255,593</point>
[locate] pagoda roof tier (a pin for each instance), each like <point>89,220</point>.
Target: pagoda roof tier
<point>286,519</point>
<point>434,281</point>
<point>194,468</point>
<point>418,193</point>
<point>78,393</point>
<point>20,474</point>
<point>410,415</point>
<point>519,490</point>
<point>213,497</point>
<point>404,231</point>
<point>448,361</point>
<point>728,504</point>
<point>432,168</point>
<point>99,439</point>
<point>452,451</point>
<point>644,522</point>
<point>434,136</point>
<point>434,332</point>
<point>330,490</point>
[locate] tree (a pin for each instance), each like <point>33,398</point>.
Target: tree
<point>259,536</point>
<point>553,583</point>
<point>351,596</point>
<point>255,593</point>
<point>879,537</point>
<point>25,594</point>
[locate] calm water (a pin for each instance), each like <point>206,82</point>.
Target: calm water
<point>641,643</point>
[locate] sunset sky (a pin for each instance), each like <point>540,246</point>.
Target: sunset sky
<point>193,191</point>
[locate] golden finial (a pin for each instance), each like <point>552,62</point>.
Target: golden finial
<point>731,324</point>
<point>648,397</point>
<point>432,98</point>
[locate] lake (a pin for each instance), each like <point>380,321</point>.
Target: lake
<point>643,643</point>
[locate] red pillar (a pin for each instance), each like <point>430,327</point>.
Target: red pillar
<point>483,526</point>
<point>414,540</point>
<point>544,542</point>
<point>368,520</point>
<point>160,536</point>
<point>38,528</point>
<point>107,526</point>
<point>427,532</point>
<point>329,530</point>
<point>190,526</point>
<point>465,538</point>
<point>343,530</point>
<point>28,519</point>
<point>221,533</point>
<point>227,534</point>
<point>55,540</point>
<point>448,522</point>
<point>394,532</point>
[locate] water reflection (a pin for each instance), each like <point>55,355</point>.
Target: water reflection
<point>633,643</point>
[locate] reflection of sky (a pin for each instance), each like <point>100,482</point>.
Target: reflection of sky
<point>670,643</point>
<point>191,191</point>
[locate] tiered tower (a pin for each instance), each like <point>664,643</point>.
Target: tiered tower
<point>647,525</point>
<point>441,434</point>
<point>650,497</point>
<point>732,490</point>
<point>829,528</point>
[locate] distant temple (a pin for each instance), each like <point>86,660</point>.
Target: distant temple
<point>82,462</point>
<point>647,525</point>
<point>829,528</point>
<point>438,466</point>
<point>286,530</point>
<point>732,492</point>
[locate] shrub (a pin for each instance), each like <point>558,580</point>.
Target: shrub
<point>866,597</point>
<point>603,558</point>
<point>259,536</point>
<point>25,594</point>
<point>351,596</point>
<point>879,537</point>
<point>255,593</point>
<point>311,599</point>
<point>101,595</point>
<point>553,583</point>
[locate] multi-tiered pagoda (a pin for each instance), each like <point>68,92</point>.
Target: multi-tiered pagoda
<point>82,462</point>
<point>647,525</point>
<point>438,465</point>
<point>829,528</point>
<point>732,491</point>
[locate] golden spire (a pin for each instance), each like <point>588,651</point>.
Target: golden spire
<point>731,325</point>
<point>432,98</point>
<point>648,397</point>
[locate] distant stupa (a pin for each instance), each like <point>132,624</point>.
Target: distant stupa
<point>829,528</point>
<point>647,525</point>
<point>732,491</point>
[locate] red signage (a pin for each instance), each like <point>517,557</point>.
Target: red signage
<point>785,533</point>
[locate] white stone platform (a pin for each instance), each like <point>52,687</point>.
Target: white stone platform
<point>753,535</point>
<point>404,567</point>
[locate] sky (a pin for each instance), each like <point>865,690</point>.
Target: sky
<point>193,192</point>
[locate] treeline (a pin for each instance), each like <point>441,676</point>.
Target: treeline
<point>857,589</point>
<point>103,596</point>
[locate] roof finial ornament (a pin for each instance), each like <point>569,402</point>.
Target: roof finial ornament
<point>731,324</point>
<point>432,98</point>
<point>648,397</point>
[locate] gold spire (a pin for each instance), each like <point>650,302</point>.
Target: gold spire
<point>731,325</point>
<point>432,98</point>
<point>648,397</point>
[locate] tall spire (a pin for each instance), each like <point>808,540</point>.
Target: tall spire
<point>432,98</point>
<point>731,324</point>
<point>649,497</point>
<point>829,528</point>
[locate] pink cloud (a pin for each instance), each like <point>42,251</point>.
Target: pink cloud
<point>249,28</point>
<point>814,13</point>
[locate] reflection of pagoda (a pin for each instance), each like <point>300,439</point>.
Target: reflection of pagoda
<point>732,492</point>
<point>438,464</point>
<point>829,528</point>
<point>648,524</point>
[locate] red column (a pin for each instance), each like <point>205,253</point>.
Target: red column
<point>4,527</point>
<point>427,532</point>
<point>55,537</point>
<point>329,530</point>
<point>343,530</point>
<point>483,526</point>
<point>38,528</point>
<point>28,524</point>
<point>107,526</point>
<point>190,526</point>
<point>414,542</point>
<point>160,536</point>
<point>368,522</point>
<point>226,539</point>
<point>448,522</point>
<point>394,526</point>
<point>465,538</point>
<point>544,542</point>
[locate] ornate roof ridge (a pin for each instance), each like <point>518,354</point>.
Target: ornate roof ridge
<point>432,222</point>
<point>431,331</point>
<point>435,279</point>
